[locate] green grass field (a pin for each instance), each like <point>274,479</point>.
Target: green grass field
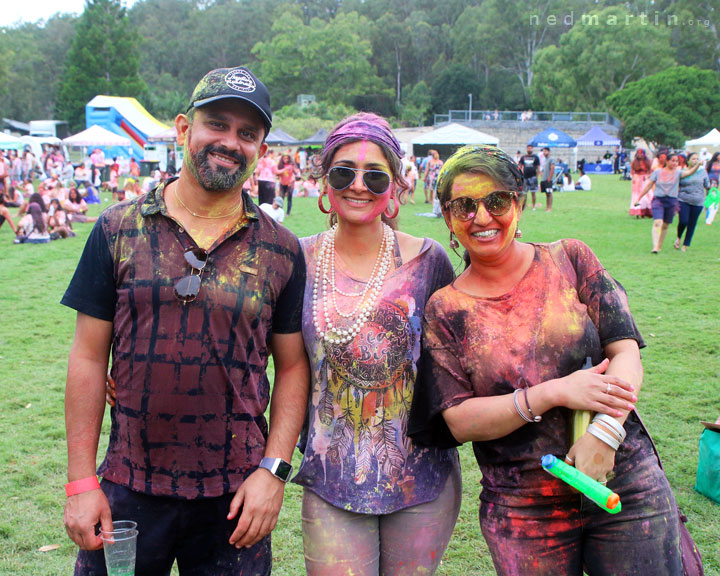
<point>673,297</point>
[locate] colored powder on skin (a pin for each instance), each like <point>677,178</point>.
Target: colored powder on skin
<point>361,152</point>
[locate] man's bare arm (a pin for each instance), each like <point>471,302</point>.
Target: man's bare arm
<point>84,409</point>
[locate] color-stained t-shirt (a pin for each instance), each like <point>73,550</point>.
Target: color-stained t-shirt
<point>357,455</point>
<point>190,378</point>
<point>692,188</point>
<point>538,331</point>
<point>666,183</point>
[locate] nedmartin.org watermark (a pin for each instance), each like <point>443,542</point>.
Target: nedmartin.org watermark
<point>643,18</point>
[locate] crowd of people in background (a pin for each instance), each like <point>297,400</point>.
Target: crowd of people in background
<point>50,194</point>
<point>662,185</point>
<point>673,184</point>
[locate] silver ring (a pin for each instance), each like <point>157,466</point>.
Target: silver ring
<point>569,460</point>
<point>603,482</point>
<point>607,390</point>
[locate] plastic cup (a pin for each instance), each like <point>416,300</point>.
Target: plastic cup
<point>120,548</point>
<point>121,525</point>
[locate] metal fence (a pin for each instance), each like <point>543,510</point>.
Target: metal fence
<point>466,116</point>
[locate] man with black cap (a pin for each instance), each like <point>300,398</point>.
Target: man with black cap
<point>191,288</point>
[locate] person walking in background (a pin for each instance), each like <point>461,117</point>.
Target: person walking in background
<point>374,503</point>
<point>287,171</point>
<point>192,288</point>
<point>431,173</point>
<point>666,183</point>
<point>529,165</point>
<point>639,172</point>
<point>546,183</point>
<point>713,167</point>
<point>691,196</point>
<point>265,174</point>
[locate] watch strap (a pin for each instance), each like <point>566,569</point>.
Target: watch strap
<point>277,467</point>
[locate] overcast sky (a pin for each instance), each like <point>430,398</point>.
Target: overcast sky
<point>13,11</point>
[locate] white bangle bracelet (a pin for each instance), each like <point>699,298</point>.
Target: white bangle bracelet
<point>600,434</point>
<point>613,424</point>
<point>518,409</point>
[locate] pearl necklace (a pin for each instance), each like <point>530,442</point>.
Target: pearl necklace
<point>325,282</point>
<point>235,209</point>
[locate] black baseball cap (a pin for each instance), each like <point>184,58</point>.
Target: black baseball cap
<point>238,83</point>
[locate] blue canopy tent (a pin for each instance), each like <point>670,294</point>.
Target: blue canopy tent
<point>598,138</point>
<point>552,138</point>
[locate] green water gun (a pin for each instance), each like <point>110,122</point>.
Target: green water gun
<point>592,489</point>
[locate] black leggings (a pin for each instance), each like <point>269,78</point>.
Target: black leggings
<point>286,191</point>
<point>688,218</point>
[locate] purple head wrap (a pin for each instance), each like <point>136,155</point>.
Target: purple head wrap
<point>362,126</point>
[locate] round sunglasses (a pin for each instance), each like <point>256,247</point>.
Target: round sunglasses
<point>341,177</point>
<point>496,203</point>
<point>187,288</point>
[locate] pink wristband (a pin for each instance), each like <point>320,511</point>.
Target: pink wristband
<point>80,486</point>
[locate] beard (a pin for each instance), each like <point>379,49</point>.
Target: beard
<point>218,178</point>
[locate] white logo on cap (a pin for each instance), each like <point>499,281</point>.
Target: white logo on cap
<point>240,81</point>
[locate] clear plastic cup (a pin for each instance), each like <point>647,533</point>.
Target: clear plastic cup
<point>120,525</point>
<point>120,549</point>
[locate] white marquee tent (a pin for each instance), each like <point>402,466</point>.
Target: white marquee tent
<point>9,142</point>
<point>96,136</point>
<point>456,134</point>
<point>711,140</point>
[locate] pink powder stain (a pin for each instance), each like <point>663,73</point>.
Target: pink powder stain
<point>378,206</point>
<point>362,151</point>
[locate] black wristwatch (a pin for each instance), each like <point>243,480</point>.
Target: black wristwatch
<point>278,468</point>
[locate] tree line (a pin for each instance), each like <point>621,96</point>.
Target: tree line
<point>406,59</point>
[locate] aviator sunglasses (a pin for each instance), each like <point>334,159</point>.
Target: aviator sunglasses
<point>341,177</point>
<point>187,288</point>
<point>496,203</point>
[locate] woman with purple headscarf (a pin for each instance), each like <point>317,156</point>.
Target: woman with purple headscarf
<point>374,502</point>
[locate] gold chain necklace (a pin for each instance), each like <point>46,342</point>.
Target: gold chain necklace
<point>235,209</point>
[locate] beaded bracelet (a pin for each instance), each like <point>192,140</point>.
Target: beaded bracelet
<point>518,409</point>
<point>612,424</point>
<point>600,434</point>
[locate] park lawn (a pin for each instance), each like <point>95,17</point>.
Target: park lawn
<point>672,296</point>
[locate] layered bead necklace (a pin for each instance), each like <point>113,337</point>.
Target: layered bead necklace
<point>325,283</point>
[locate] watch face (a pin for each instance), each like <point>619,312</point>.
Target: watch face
<point>283,470</point>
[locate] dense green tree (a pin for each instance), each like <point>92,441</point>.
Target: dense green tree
<point>32,57</point>
<point>390,42</point>
<point>597,57</point>
<point>654,126</point>
<point>451,88</point>
<point>691,97</point>
<point>103,59</point>
<point>328,59</point>
<point>416,105</point>
<point>512,33</point>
